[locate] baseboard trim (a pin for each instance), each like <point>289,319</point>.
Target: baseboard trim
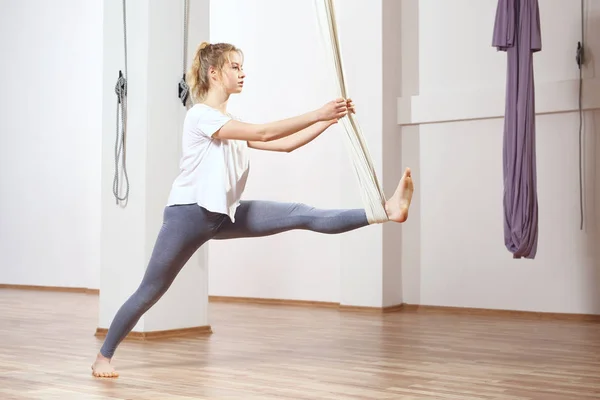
<point>268,301</point>
<point>488,312</point>
<point>166,334</point>
<point>415,308</point>
<point>387,309</point>
<point>301,303</point>
<point>50,288</point>
<point>404,307</point>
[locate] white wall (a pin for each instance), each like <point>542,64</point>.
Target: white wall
<point>284,78</point>
<point>50,138</point>
<point>452,254</point>
<point>459,258</point>
<point>286,67</point>
<point>155,121</point>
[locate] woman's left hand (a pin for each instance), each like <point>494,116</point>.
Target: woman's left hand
<point>350,106</point>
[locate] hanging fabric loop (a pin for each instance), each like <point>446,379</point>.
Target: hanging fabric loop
<point>183,90</point>
<point>121,92</point>
<point>372,194</point>
<point>517,32</point>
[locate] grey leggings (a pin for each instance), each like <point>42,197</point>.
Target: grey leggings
<point>187,227</point>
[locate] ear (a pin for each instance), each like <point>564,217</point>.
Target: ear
<point>213,73</point>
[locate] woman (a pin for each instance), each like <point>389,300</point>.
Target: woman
<point>204,202</point>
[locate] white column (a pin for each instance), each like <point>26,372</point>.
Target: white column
<point>411,150</point>
<point>393,49</point>
<point>371,258</point>
<point>153,141</point>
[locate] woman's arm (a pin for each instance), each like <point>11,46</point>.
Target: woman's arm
<point>301,138</point>
<point>237,130</point>
<point>295,141</point>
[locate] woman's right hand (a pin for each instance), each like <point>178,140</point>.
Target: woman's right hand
<point>335,109</point>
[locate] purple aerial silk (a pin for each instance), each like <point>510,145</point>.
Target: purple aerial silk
<point>517,31</point>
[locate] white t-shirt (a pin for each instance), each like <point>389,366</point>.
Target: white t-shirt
<point>213,172</point>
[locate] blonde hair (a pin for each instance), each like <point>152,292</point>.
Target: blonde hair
<point>207,55</point>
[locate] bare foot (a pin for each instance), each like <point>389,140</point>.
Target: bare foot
<point>397,206</point>
<point>102,368</point>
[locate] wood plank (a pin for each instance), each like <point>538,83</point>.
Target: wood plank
<point>263,351</point>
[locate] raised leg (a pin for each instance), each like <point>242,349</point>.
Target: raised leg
<point>256,218</point>
<point>184,230</point>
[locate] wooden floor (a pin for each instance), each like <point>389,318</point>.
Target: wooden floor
<point>267,352</point>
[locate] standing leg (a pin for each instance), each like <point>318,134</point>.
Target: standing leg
<point>184,230</point>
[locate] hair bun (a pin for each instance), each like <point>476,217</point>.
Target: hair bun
<point>203,45</point>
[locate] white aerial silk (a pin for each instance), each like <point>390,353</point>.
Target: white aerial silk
<point>372,194</point>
